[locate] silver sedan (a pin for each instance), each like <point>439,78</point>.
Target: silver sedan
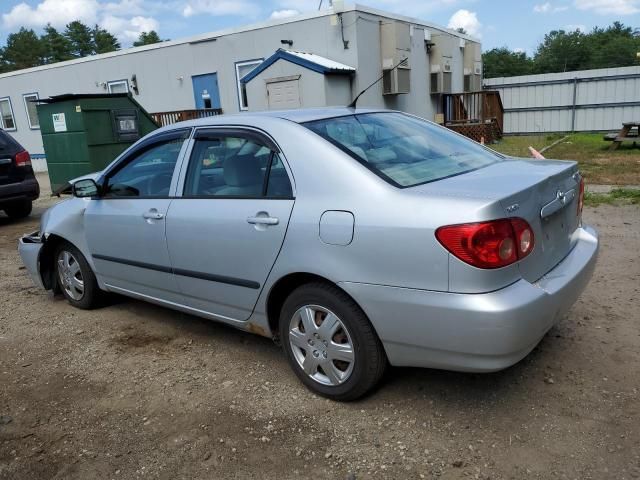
<point>355,238</point>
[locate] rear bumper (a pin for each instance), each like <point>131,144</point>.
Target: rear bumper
<point>475,332</point>
<point>28,189</point>
<point>29,248</point>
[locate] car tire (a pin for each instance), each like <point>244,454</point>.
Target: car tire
<point>341,359</point>
<point>75,278</point>
<point>19,210</point>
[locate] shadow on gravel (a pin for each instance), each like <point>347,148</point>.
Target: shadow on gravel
<point>152,327</point>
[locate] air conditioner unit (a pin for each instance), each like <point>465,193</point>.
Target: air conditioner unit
<point>435,85</point>
<point>440,82</point>
<point>446,65</point>
<point>477,68</point>
<point>396,81</point>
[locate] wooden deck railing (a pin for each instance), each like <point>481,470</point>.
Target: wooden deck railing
<point>167,118</point>
<point>473,107</point>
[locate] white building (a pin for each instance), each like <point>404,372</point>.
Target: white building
<point>340,52</point>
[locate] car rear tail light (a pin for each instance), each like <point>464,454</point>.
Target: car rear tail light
<point>580,197</point>
<point>492,244</point>
<point>23,159</point>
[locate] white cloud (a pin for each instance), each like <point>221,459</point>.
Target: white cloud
<point>220,8</point>
<point>609,7</point>
<point>56,12</point>
<point>467,20</point>
<point>278,14</point>
<point>519,50</point>
<point>126,19</point>
<point>129,29</point>
<point>542,8</point>
<point>547,8</point>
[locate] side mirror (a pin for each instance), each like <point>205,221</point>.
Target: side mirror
<point>85,188</point>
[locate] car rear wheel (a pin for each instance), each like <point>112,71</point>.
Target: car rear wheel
<point>329,342</point>
<point>19,210</point>
<point>75,278</point>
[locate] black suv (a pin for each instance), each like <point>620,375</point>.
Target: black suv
<point>18,185</point>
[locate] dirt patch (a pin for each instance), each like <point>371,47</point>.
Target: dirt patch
<point>137,391</point>
<point>139,340</point>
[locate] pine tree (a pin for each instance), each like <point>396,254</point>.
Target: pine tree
<point>147,38</point>
<point>80,38</point>
<point>23,50</point>
<point>103,41</point>
<point>56,46</point>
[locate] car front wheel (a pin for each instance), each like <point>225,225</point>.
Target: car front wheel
<point>75,278</point>
<point>329,342</point>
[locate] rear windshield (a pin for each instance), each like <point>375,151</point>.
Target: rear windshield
<point>7,144</point>
<point>403,150</point>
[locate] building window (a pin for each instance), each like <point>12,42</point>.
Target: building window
<point>242,68</point>
<point>30,102</point>
<point>118,86</point>
<point>6,114</point>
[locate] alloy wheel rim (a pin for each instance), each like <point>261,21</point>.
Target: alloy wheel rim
<point>321,345</point>
<point>70,275</point>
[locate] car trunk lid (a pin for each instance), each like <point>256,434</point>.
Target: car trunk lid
<point>543,192</point>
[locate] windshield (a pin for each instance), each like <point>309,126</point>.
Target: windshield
<point>404,150</point>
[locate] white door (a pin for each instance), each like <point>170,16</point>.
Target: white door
<point>283,95</point>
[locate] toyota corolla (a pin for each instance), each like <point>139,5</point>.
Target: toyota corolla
<point>355,238</point>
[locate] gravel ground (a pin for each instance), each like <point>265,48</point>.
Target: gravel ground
<point>137,391</point>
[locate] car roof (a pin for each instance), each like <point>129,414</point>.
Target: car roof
<point>300,115</point>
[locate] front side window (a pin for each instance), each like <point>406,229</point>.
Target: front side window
<point>403,150</point>
<point>242,68</point>
<point>119,86</point>
<point>30,102</point>
<point>147,174</point>
<point>6,114</point>
<point>231,166</point>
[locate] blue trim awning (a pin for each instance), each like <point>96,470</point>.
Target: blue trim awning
<point>311,61</point>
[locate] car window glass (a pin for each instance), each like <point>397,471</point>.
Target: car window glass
<point>278,184</point>
<point>403,150</point>
<point>148,174</point>
<point>227,166</point>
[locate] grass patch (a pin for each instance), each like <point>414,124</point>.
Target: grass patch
<point>598,164</point>
<point>617,196</point>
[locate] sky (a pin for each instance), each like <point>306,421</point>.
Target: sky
<point>517,24</point>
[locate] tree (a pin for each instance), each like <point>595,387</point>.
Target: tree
<point>147,38</point>
<point>502,62</point>
<point>562,51</point>
<point>613,46</point>
<point>81,39</point>
<point>56,46</point>
<point>23,50</point>
<point>103,41</point>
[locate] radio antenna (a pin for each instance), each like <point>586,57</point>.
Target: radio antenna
<point>355,100</point>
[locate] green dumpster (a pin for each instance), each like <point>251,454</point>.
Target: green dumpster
<point>84,133</point>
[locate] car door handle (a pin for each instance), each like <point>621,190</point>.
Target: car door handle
<point>263,220</point>
<point>153,214</point>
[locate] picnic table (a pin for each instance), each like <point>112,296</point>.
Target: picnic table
<point>626,134</point>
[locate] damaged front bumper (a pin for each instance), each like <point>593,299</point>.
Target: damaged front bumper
<point>30,247</point>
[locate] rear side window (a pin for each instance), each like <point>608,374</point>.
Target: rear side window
<point>403,150</point>
<point>235,166</point>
